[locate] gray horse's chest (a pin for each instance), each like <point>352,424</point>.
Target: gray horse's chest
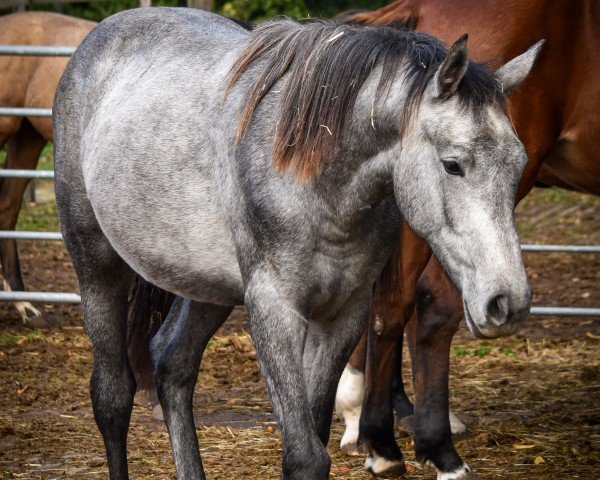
<point>330,266</point>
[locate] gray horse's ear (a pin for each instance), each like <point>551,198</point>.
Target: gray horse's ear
<point>452,70</point>
<point>511,74</point>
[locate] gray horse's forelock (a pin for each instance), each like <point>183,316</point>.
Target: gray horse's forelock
<point>326,63</point>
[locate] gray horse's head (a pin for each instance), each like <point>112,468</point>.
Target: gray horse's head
<point>465,163</point>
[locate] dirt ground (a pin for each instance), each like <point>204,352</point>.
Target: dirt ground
<point>532,402</point>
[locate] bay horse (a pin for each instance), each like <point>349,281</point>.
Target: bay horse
<point>555,115</point>
<point>276,180</point>
<point>28,82</point>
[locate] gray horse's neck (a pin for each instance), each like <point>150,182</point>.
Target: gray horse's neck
<point>361,174</point>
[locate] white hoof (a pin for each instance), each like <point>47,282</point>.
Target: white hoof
<point>158,412</point>
<point>27,311</point>
<point>348,405</point>
<point>382,467</point>
<point>456,425</point>
<point>457,474</point>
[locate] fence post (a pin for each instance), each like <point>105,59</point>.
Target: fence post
<point>145,3</point>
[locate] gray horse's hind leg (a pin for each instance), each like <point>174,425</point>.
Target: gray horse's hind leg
<point>104,280</point>
<point>177,351</point>
<point>278,332</point>
<point>104,303</point>
<point>326,352</point>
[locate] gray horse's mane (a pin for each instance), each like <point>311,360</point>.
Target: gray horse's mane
<point>326,63</point>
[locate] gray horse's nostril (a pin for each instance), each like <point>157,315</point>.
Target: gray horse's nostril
<point>498,308</point>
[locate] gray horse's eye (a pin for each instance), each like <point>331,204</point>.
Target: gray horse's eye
<point>453,168</point>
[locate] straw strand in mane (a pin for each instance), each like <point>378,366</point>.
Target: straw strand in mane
<point>324,65</point>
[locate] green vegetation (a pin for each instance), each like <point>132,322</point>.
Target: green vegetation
<point>480,351</point>
<point>39,216</point>
<point>248,10</point>
<point>8,339</point>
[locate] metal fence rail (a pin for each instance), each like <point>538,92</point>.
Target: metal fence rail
<point>37,50</point>
<point>23,235</point>
<point>527,247</point>
<point>40,297</point>
<point>566,311</point>
<point>25,112</point>
<point>14,173</point>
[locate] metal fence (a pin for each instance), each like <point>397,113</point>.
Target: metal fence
<point>55,297</point>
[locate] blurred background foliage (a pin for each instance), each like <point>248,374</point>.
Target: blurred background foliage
<point>248,10</point>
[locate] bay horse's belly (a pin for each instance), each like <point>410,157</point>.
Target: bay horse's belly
<point>166,223</point>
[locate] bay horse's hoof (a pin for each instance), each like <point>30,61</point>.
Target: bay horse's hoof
<point>351,448</point>
<point>384,468</point>
<point>462,473</point>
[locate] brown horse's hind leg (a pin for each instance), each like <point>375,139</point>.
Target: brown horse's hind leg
<point>23,151</point>
<point>439,312</point>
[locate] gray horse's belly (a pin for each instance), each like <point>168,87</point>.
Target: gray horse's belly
<point>168,226</point>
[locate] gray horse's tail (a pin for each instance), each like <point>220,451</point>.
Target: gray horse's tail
<point>148,307</point>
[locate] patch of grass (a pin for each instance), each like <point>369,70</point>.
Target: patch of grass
<point>480,351</point>
<point>460,351</point>
<point>523,228</point>
<point>509,352</point>
<point>38,217</point>
<point>9,339</point>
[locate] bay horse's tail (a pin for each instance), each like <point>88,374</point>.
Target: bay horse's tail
<point>400,14</point>
<point>148,307</point>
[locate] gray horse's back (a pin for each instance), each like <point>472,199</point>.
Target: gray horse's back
<point>139,86</point>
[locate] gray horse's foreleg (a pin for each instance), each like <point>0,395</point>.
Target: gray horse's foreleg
<point>278,332</point>
<point>177,351</point>
<point>328,347</point>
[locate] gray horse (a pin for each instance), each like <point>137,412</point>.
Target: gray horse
<point>271,168</point>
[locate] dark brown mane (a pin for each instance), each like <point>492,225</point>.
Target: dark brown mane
<point>325,63</point>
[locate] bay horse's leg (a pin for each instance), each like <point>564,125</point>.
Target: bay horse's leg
<point>326,351</point>
<point>23,150</point>
<point>104,281</point>
<point>400,400</point>
<point>350,395</point>
<point>439,312</point>
<point>177,352</point>
<point>392,307</point>
<point>279,332</point>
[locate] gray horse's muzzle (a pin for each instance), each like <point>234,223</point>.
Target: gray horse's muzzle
<point>504,314</point>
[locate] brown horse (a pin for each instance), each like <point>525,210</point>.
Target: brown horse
<point>28,82</point>
<point>555,114</point>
